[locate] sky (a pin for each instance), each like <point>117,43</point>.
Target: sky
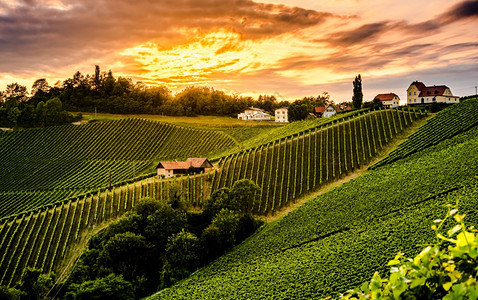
<point>287,48</point>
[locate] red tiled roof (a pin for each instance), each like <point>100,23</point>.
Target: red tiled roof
<point>432,91</point>
<point>419,85</point>
<point>429,91</point>
<point>198,162</point>
<point>173,165</point>
<point>323,108</point>
<point>184,165</point>
<point>385,97</point>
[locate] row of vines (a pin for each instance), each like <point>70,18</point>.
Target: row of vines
<point>285,169</point>
<point>451,121</point>
<point>75,159</point>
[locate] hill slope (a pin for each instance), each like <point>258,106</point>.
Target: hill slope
<point>68,160</point>
<point>446,124</point>
<point>51,237</point>
<point>336,241</point>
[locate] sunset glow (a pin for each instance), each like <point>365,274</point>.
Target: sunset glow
<point>292,48</point>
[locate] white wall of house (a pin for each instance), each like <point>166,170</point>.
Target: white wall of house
<point>395,102</point>
<point>165,173</point>
<point>282,115</point>
<point>329,112</point>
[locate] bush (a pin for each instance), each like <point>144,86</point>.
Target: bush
<point>444,270</point>
<point>163,223</point>
<point>182,256</point>
<point>11,293</point>
<point>220,236</point>
<point>147,206</point>
<point>126,254</point>
<point>110,287</point>
<point>243,193</point>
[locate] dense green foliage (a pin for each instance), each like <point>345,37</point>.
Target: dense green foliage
<point>338,240</point>
<point>39,166</point>
<point>16,112</point>
<point>155,246</point>
<point>105,93</point>
<point>447,123</point>
<point>444,270</point>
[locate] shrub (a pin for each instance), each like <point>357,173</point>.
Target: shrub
<point>109,287</point>
<point>444,270</point>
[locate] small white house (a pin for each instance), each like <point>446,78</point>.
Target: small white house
<point>255,114</point>
<point>282,115</point>
<point>389,100</point>
<point>326,111</point>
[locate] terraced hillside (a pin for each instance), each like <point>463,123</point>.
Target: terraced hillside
<point>446,124</point>
<point>337,241</point>
<point>49,236</point>
<point>41,166</point>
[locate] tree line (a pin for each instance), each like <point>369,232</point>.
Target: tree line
<point>103,92</point>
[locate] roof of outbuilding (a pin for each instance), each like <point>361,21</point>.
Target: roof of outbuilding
<point>386,97</point>
<point>184,165</point>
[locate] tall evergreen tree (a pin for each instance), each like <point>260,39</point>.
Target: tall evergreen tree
<point>357,98</point>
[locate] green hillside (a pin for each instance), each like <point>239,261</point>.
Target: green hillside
<point>50,237</point>
<point>337,240</point>
<point>63,161</point>
<point>446,124</point>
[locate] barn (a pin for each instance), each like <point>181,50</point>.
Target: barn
<point>192,165</point>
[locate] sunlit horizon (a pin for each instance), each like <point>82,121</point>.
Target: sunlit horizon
<point>291,49</point>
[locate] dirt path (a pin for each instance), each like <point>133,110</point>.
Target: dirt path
<point>324,189</point>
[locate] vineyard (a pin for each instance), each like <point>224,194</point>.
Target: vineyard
<point>40,166</point>
<point>286,169</point>
<point>446,124</point>
<point>338,240</point>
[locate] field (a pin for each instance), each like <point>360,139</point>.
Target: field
<point>313,157</point>
<point>42,166</point>
<point>337,240</point>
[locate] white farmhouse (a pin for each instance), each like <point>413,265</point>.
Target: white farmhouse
<point>326,111</point>
<point>282,115</point>
<point>253,113</point>
<point>418,93</point>
<point>389,100</point>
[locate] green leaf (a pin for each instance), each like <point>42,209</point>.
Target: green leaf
<point>447,286</point>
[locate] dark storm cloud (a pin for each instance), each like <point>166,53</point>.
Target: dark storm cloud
<point>356,36</point>
<point>369,32</point>
<point>343,61</point>
<point>34,35</point>
<point>463,10</point>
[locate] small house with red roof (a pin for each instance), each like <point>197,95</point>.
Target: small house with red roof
<point>388,100</point>
<point>418,93</point>
<point>190,166</point>
<point>326,111</point>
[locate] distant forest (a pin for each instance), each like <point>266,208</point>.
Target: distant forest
<point>46,105</point>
